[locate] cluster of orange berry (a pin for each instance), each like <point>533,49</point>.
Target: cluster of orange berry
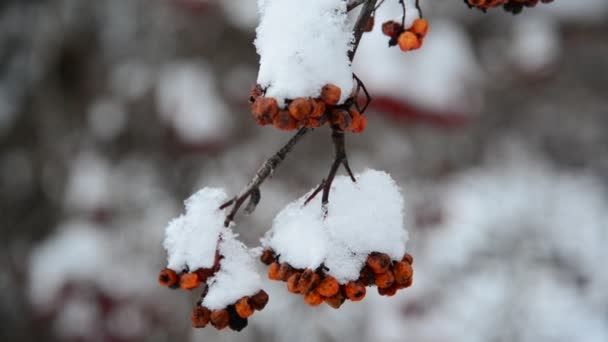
<point>307,112</point>
<point>512,6</point>
<point>317,287</point>
<point>233,316</point>
<point>408,39</point>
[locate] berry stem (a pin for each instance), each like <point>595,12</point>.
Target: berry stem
<point>252,191</point>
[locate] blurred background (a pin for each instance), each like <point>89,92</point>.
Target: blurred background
<point>113,112</point>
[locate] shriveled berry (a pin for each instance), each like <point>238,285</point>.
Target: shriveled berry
<point>354,291</point>
<point>340,119</point>
<point>318,108</point>
<point>300,108</point>
<point>203,274</point>
<point>292,283</point>
<point>200,317</point>
<point>284,121</point>
<point>168,277</point>
<point>366,276</point>
<point>256,92</point>
<point>328,287</point>
<point>408,258</point>
<point>264,109</point>
<point>313,298</point>
<point>408,41</point>
<point>267,257</point>
<point>309,280</point>
<point>243,308</point>
<point>259,300</point>
<point>420,27</point>
<point>391,28</point>
<point>189,281</point>
<point>403,272</point>
<point>378,262</point>
<point>385,280</point>
<point>369,26</point>
<point>336,300</point>
<point>388,291</point>
<point>220,318</point>
<point>330,94</point>
<point>285,271</point>
<point>273,271</point>
<point>236,322</point>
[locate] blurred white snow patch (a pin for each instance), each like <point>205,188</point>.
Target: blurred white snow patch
<point>242,13</point>
<point>88,187</point>
<point>192,239</point>
<point>188,101</point>
<point>535,43</point>
<point>107,118</point>
<point>78,252</point>
<point>131,79</point>
<point>303,45</point>
<point>443,75</point>
<point>237,276</point>
<point>363,217</point>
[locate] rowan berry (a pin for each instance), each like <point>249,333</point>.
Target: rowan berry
<point>273,271</point>
<point>369,26</point>
<point>318,108</point>
<point>408,258</point>
<point>313,298</point>
<point>256,92</point>
<point>330,94</point>
<point>284,121</point>
<point>340,119</point>
<point>200,317</point>
<point>403,271</point>
<point>391,28</point>
<point>328,287</point>
<point>388,291</point>
<point>300,108</point>
<point>264,109</point>
<point>366,276</point>
<point>259,300</point>
<point>243,307</point>
<point>420,27</point>
<point>292,283</point>
<point>267,257</point>
<point>168,277</point>
<point>354,291</point>
<point>409,41</point>
<point>309,280</point>
<point>378,262</point>
<point>189,281</point>
<point>336,300</point>
<point>385,280</point>
<point>285,271</point>
<point>235,322</point>
<point>220,318</point>
<point>203,274</point>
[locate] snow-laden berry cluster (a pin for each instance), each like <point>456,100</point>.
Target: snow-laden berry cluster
<point>358,241</point>
<point>203,253</point>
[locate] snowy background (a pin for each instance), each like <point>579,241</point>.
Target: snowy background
<point>113,112</point>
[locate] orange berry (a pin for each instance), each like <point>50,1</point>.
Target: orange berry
<point>378,262</point>
<point>273,271</point>
<point>256,92</point>
<point>168,277</point>
<point>403,271</point>
<point>309,280</point>
<point>313,298</point>
<point>354,291</point>
<point>259,300</point>
<point>408,258</point>
<point>408,41</point>
<point>318,108</point>
<point>385,280</point>
<point>300,108</point>
<point>200,317</point>
<point>220,318</point>
<point>391,28</point>
<point>284,121</point>
<point>292,283</point>
<point>330,94</point>
<point>264,109</point>
<point>189,281</point>
<point>203,274</point>
<point>388,291</point>
<point>243,308</point>
<point>340,118</point>
<point>328,287</point>
<point>267,257</point>
<point>420,27</point>
<point>285,271</point>
<point>336,300</point>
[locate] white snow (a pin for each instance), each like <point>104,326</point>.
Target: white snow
<point>362,218</point>
<point>237,276</point>
<point>191,239</point>
<point>303,45</point>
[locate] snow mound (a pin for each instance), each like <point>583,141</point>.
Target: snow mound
<point>303,45</point>
<point>363,217</point>
<point>236,277</point>
<point>192,239</point>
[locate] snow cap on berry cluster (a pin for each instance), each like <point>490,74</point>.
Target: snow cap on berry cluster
<point>236,277</point>
<point>363,217</point>
<point>303,45</point>
<point>191,239</point>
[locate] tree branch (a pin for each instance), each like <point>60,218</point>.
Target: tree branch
<point>252,191</point>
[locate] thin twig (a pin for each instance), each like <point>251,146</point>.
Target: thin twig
<point>353,4</point>
<point>273,162</point>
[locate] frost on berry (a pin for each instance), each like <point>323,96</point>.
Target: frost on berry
<point>203,253</point>
<point>359,241</point>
